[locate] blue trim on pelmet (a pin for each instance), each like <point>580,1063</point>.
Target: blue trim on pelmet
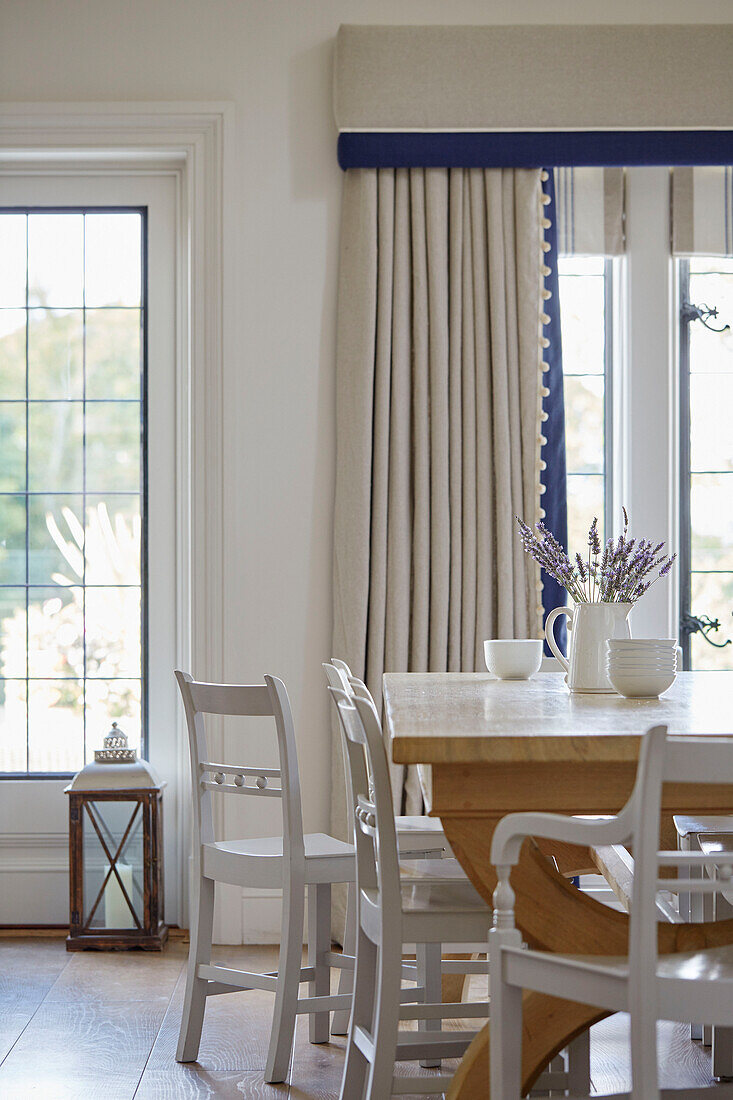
<point>534,149</point>
<point>555,499</point>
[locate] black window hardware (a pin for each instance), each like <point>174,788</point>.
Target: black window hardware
<point>690,312</point>
<point>702,624</point>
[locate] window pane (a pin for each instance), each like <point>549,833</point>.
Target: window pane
<point>13,725</point>
<point>55,446</point>
<point>55,632</point>
<point>584,424</point>
<point>712,594</point>
<point>113,259</point>
<point>55,725</point>
<point>711,422</point>
<point>711,521</point>
<point>113,353</point>
<point>12,632</point>
<point>712,352</point>
<point>12,446</point>
<point>581,265</point>
<point>111,701</point>
<point>707,264</point>
<point>113,632</point>
<point>55,539</point>
<point>55,353</point>
<point>12,351</point>
<point>113,446</point>
<point>113,540</point>
<point>12,268</point>
<point>56,260</point>
<point>582,316</point>
<point>12,540</point>
<point>585,501</point>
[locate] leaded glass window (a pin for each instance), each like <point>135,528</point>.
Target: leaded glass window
<point>72,483</point>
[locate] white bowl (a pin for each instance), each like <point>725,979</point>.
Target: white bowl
<point>639,668</point>
<point>513,658</point>
<point>643,662</point>
<point>642,685</point>
<point>643,643</point>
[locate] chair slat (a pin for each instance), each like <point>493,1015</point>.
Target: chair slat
<point>230,788</point>
<point>232,769</point>
<point>247,700</point>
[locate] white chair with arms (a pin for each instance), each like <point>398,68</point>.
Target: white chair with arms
<point>696,985</point>
<point>294,862</point>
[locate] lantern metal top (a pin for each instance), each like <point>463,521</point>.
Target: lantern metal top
<point>116,767</point>
<point>115,749</point>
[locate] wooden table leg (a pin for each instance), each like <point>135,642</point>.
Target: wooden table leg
<point>549,1025</point>
<point>553,916</point>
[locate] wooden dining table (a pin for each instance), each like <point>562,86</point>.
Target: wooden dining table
<point>496,747</point>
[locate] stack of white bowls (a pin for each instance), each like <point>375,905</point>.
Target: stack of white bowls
<point>642,668</point>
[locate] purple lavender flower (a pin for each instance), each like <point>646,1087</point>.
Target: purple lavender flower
<point>620,573</point>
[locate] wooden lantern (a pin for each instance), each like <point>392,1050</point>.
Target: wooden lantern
<point>116,852</point>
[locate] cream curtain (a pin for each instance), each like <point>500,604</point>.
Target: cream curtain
<point>439,392</point>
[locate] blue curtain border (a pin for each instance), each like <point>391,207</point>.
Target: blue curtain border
<point>534,149</point>
<point>554,500</point>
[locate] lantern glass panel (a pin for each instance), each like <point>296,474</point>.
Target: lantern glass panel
<point>120,824</point>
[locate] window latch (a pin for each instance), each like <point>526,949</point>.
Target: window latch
<point>702,624</point>
<point>690,312</point>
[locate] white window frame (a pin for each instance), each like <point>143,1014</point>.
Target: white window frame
<point>188,140</point>
<point>646,462</point>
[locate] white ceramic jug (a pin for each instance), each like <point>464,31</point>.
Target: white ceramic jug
<point>589,628</point>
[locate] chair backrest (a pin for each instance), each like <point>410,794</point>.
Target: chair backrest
<point>258,700</point>
<point>662,760</point>
<point>377,861</point>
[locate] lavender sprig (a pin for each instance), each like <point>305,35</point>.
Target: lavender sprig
<point>620,572</point>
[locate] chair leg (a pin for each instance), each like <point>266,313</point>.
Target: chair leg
<point>722,1036</point>
<point>199,954</point>
<point>355,1066</point>
<point>723,1053</point>
<point>429,975</point>
<point>579,1065</point>
<point>505,1035</point>
<point>340,1021</point>
<point>386,1019</point>
<point>288,980</point>
<point>319,942</point>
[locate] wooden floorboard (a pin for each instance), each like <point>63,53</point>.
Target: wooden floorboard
<point>104,1026</point>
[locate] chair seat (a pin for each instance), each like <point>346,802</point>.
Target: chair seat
<point>693,824</point>
<point>258,861</point>
<point>419,833</point>
<point>433,912</point>
<point>431,870</point>
<point>691,985</point>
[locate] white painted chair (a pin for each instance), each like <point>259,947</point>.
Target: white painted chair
<point>416,833</point>
<point>391,913</point>
<point>422,860</point>
<point>294,862</point>
<point>694,834</point>
<point>696,985</point>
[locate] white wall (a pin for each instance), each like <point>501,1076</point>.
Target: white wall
<point>272,59</point>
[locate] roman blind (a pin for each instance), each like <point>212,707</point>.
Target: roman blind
<point>702,211</point>
<point>589,208</point>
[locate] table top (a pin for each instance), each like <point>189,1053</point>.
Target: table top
<point>463,718</point>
